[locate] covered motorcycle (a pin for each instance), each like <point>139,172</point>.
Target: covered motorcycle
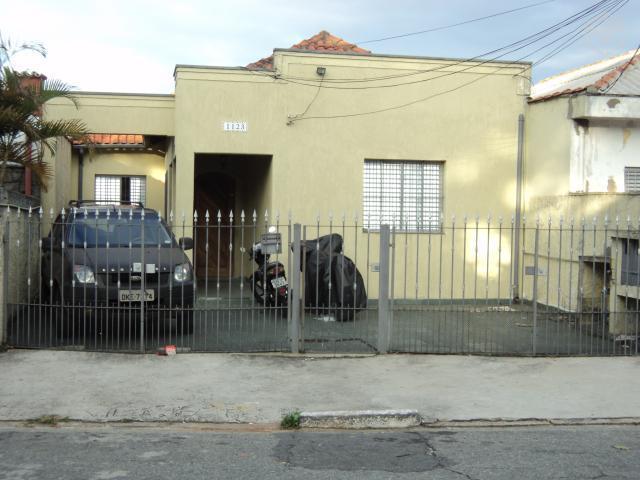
<point>330,277</point>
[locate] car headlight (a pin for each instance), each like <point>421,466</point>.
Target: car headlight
<point>83,274</point>
<point>182,273</point>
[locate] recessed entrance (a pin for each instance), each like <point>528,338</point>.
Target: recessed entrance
<point>225,184</point>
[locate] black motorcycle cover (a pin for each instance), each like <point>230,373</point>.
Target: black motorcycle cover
<point>330,277</point>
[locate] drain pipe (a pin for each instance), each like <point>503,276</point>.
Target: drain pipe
<point>80,171</point>
<point>518,214</point>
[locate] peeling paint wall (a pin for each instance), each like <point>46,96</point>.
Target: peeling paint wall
<point>600,149</point>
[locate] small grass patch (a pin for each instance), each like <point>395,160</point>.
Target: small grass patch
<point>291,421</point>
<point>51,420</point>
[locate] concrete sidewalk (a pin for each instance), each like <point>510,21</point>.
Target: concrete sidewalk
<point>261,388</point>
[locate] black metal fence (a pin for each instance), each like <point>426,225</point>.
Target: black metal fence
<point>110,278</point>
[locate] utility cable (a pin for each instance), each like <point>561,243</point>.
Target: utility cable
<point>609,7</point>
<point>436,29</point>
<point>603,4</point>
<point>404,105</point>
<point>624,69</point>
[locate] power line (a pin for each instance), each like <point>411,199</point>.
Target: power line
<point>436,29</point>
<point>608,7</point>
<point>624,69</point>
<point>616,5</point>
<point>602,4</point>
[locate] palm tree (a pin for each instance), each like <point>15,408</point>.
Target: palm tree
<point>24,135</point>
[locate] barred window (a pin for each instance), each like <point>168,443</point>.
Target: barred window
<point>406,195</point>
<point>116,189</point>
<point>632,179</point>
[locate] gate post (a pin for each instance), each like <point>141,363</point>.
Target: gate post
<point>294,292</point>
<point>384,317</point>
<point>535,288</point>
<point>4,253</point>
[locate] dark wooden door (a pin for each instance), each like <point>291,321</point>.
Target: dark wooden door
<point>214,192</point>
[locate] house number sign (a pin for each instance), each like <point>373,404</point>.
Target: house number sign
<point>234,126</point>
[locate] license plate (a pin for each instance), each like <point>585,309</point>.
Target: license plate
<point>136,295</point>
<point>279,282</point>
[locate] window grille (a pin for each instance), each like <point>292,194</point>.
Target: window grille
<point>632,179</point>
<point>116,189</point>
<point>406,195</point>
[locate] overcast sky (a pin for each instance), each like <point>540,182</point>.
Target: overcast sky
<point>133,46</point>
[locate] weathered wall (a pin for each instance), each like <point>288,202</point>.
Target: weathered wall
<point>600,149</point>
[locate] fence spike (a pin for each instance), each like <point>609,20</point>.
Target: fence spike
<point>131,214</point>
<point>40,211</point>
<point>318,217</point>
<point>344,216</point>
<point>537,221</point>
<point>242,215</point>
<point>183,216</point>
<point>159,217</point>
<point>266,216</point>
<point>255,216</point>
<point>330,216</point>
<point>141,213</point>
<point>549,221</point>
<point>171,215</point>
<point>231,216</point>
<point>9,210</point>
<point>29,211</point>
<point>219,216</point>
<point>51,212</point>
<point>63,213</point>
<point>195,215</point>
<point>119,213</point>
<point>108,213</point>
<point>206,216</point>
<point>355,217</point>
<point>571,221</point>
<point>561,221</point>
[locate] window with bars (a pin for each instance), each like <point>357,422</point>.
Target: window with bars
<point>406,195</point>
<point>116,189</point>
<point>632,179</point>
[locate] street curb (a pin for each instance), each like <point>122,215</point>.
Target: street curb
<point>530,422</point>
<point>361,419</point>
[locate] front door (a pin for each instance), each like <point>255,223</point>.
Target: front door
<point>213,192</point>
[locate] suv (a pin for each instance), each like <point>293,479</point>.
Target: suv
<point>117,255</point>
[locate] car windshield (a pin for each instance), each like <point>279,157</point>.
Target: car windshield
<point>119,232</point>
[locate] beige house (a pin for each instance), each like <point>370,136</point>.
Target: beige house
<point>321,127</point>
<point>582,164</point>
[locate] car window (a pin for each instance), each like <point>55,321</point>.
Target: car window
<point>118,232</point>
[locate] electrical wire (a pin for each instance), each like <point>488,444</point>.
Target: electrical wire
<point>617,6</point>
<point>624,69</point>
<point>466,22</point>
<point>602,4</point>
<point>609,7</point>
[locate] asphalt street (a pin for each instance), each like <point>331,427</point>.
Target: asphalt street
<point>129,452</point>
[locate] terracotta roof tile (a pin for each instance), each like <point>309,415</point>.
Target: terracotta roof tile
<point>112,139</point>
<point>594,78</point>
<point>322,41</point>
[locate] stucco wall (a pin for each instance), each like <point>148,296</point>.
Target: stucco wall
<point>548,133</point>
<point>60,183</point>
<point>114,163</point>
<point>118,113</point>
<point>600,149</point>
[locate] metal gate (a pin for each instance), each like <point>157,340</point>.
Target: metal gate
<point>479,287</point>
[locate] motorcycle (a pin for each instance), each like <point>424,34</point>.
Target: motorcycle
<point>269,282</point>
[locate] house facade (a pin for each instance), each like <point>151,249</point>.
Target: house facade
<point>582,165</point>
<point>323,127</point>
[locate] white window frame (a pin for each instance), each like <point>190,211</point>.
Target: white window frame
<point>406,194</point>
<point>117,184</point>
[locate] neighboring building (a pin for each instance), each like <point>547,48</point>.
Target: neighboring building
<point>583,164</point>
<point>322,127</point>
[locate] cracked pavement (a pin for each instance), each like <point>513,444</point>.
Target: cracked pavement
<point>98,452</point>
